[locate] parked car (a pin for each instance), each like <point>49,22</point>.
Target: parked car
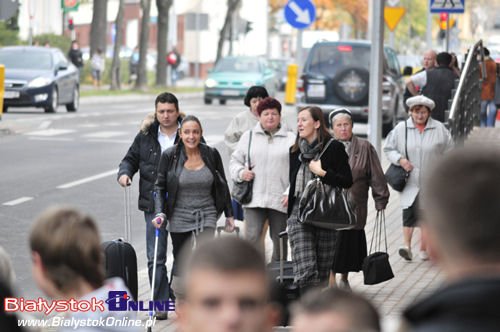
<point>280,66</point>
<point>336,74</point>
<point>39,77</point>
<point>233,75</point>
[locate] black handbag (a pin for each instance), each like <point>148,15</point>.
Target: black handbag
<point>242,191</point>
<point>397,176</point>
<point>376,266</point>
<point>324,206</point>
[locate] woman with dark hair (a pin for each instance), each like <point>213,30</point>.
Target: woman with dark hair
<point>269,149</point>
<point>192,175</point>
<point>312,247</point>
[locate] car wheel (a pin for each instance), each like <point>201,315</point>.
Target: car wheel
<point>53,104</point>
<point>75,103</point>
<point>387,127</point>
<point>222,101</point>
<point>207,101</point>
<point>5,109</point>
<point>351,85</point>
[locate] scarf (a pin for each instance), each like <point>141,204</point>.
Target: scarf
<point>307,153</point>
<point>347,146</point>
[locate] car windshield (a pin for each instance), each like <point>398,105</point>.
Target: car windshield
<point>20,59</point>
<point>328,59</point>
<point>238,65</point>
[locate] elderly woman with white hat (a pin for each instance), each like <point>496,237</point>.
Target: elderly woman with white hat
<point>426,141</point>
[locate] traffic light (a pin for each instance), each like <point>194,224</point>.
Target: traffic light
<point>71,26</point>
<point>249,27</point>
<point>443,17</point>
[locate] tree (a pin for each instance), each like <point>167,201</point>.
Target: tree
<point>232,5</point>
<point>115,72</point>
<point>99,26</point>
<point>142,78</point>
<point>161,63</point>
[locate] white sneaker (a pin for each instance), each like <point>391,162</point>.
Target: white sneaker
<point>423,255</point>
<point>405,252</point>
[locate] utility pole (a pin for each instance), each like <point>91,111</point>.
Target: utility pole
<point>376,67</point>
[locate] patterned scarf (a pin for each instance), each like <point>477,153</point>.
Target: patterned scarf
<point>307,153</point>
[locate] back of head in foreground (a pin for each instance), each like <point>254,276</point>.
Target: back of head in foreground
<point>226,288</point>
<point>67,254</point>
<point>462,216</point>
<point>334,310</point>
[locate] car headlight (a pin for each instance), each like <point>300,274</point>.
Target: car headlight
<point>210,83</point>
<point>248,84</point>
<point>38,82</point>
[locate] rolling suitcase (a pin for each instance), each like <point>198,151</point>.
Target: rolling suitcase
<point>120,259</point>
<point>283,291</point>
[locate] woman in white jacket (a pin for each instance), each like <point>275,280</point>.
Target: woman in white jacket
<point>269,156</point>
<point>426,142</point>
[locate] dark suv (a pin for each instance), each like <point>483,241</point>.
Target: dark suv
<point>336,74</point>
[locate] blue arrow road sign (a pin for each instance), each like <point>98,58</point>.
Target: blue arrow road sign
<point>447,6</point>
<point>300,13</point>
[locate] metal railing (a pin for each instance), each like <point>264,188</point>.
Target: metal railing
<point>465,110</point>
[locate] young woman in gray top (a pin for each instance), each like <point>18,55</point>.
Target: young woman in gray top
<point>191,190</point>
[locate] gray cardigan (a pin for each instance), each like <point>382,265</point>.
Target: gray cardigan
<point>423,150</point>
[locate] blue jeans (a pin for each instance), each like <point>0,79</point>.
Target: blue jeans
<point>162,287</point>
<point>488,119</point>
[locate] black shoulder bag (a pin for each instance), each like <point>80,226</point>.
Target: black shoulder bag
<point>397,176</point>
<point>376,266</point>
<point>324,206</point>
<point>242,191</point>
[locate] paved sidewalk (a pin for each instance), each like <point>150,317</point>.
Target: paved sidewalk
<point>412,279</point>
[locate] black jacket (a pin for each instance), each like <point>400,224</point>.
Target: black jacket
<point>468,305</point>
<point>334,161</point>
<point>169,172</point>
<point>76,57</point>
<point>440,83</point>
<point>144,156</point>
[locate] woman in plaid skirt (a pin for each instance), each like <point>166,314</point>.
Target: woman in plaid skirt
<point>312,247</point>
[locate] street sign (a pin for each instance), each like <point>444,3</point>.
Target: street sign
<point>447,6</point>
<point>392,16</point>
<point>70,5</point>
<point>7,9</point>
<point>300,13</point>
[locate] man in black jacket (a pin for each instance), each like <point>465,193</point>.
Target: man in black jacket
<point>75,55</point>
<point>158,132</point>
<point>462,233</point>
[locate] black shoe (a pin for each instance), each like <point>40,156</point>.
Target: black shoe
<point>161,315</point>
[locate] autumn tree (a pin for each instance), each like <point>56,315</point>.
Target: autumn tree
<point>115,64</point>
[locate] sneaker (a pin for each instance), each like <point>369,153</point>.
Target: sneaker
<point>405,252</point>
<point>423,255</point>
<point>344,284</point>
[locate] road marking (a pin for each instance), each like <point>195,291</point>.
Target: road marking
<point>105,134</point>
<point>88,179</point>
<point>50,132</point>
<point>108,140</point>
<point>44,124</point>
<point>18,201</point>
<point>60,139</point>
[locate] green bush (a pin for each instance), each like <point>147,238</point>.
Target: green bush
<point>8,37</point>
<point>86,77</point>
<point>62,42</point>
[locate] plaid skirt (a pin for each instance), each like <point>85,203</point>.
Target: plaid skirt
<point>313,251</point>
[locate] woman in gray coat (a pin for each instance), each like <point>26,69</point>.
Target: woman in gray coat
<point>427,140</point>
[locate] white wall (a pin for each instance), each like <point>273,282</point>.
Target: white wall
<point>47,17</point>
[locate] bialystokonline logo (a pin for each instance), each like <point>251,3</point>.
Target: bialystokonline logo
<point>117,301</point>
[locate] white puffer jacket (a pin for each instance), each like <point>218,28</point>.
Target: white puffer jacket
<point>270,155</point>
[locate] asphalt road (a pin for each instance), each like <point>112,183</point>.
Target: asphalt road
<point>72,159</point>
